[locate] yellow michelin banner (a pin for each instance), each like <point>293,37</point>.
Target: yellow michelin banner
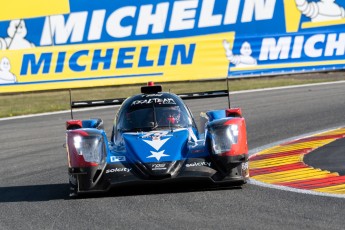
<point>20,9</point>
<point>116,63</point>
<point>82,43</point>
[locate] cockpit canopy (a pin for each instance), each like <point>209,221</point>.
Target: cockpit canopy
<point>148,112</point>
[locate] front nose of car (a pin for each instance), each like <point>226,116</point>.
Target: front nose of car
<point>157,154</point>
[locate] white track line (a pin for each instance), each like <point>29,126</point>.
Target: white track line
<point>289,189</point>
<point>287,87</point>
<point>58,112</point>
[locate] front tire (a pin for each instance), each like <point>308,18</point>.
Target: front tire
<point>73,186</point>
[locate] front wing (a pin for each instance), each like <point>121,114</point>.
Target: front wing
<point>92,179</point>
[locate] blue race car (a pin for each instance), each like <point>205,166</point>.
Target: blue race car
<point>155,140</point>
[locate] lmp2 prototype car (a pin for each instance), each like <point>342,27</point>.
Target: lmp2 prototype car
<point>155,140</point>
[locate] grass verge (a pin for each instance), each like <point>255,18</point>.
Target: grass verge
<point>38,102</point>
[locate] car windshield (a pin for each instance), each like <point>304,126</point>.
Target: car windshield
<point>154,117</point>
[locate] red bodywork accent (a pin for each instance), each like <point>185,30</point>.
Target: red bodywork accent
<point>74,123</point>
<point>234,112</point>
<point>74,159</point>
<point>241,147</point>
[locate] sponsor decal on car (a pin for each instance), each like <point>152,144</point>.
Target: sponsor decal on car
<point>117,158</point>
<point>158,167</point>
<point>152,95</point>
<point>115,170</point>
<point>198,164</point>
<point>165,101</point>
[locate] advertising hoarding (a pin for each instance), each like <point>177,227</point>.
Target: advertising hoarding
<point>103,42</point>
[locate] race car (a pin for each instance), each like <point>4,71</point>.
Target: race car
<point>156,140</point>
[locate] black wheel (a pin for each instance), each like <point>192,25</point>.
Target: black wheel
<point>73,186</point>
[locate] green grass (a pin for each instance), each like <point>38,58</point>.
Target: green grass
<point>38,102</point>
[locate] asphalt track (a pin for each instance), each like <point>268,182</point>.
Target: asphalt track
<point>34,191</point>
<point>334,161</point>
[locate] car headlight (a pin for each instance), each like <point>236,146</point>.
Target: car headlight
<point>223,137</point>
<point>90,147</point>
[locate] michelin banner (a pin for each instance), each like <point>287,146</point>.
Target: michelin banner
<point>101,43</point>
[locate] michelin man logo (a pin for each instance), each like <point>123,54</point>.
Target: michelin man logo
<point>244,59</point>
<point>6,77</point>
<point>324,10</point>
<point>16,32</point>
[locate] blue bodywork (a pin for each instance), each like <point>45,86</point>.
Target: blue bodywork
<point>147,148</point>
<point>154,139</point>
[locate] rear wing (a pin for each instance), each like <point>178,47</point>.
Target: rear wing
<point>119,101</point>
<point>149,89</point>
<point>94,103</point>
<point>201,95</point>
